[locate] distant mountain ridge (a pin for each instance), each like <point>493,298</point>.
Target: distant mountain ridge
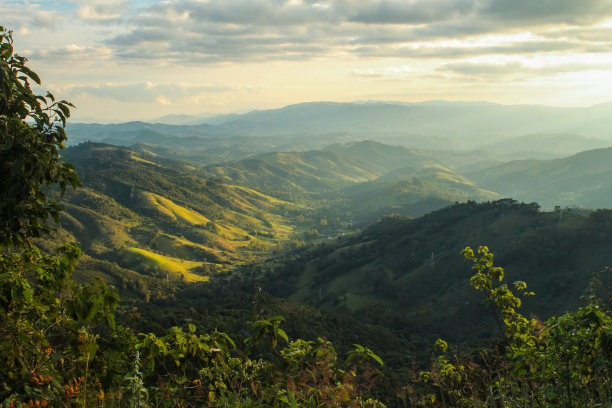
<point>449,119</point>
<point>463,125</point>
<point>584,179</point>
<point>544,145</point>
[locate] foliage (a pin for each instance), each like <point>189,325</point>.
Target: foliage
<point>67,351</point>
<point>31,135</point>
<point>50,328</point>
<point>269,327</point>
<point>566,361</point>
<point>208,369</point>
<point>384,274</point>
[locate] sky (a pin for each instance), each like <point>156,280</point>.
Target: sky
<point>119,60</point>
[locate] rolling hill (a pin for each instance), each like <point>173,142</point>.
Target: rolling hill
<point>409,191</point>
<point>317,172</point>
<point>583,180</point>
<point>164,222</point>
<point>408,274</point>
<point>544,146</point>
<point>295,173</point>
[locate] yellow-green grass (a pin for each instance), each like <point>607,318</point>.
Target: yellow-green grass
<point>260,196</point>
<point>140,159</point>
<point>176,268</point>
<point>184,248</point>
<point>248,198</point>
<point>174,211</point>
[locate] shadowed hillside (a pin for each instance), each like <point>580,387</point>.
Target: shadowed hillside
<point>407,274</point>
<point>583,180</point>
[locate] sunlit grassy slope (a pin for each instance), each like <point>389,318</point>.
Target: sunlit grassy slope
<point>156,216</point>
<point>173,211</point>
<point>175,268</point>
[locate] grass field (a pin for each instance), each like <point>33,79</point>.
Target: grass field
<point>174,267</point>
<point>172,210</point>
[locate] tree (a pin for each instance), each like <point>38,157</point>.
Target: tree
<point>565,361</point>
<point>31,136</point>
<point>49,326</point>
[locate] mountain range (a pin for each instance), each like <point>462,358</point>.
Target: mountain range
<point>333,230</point>
<point>521,131</point>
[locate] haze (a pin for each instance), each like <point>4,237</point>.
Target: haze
<point>120,60</point>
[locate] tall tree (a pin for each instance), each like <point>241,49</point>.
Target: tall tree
<point>31,137</point>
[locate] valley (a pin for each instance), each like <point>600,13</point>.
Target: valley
<point>354,233</point>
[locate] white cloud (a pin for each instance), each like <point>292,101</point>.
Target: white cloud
<point>70,53</point>
<point>397,72</point>
<point>146,92</point>
<point>102,11</point>
<point>246,30</point>
<point>29,16</point>
<point>517,69</point>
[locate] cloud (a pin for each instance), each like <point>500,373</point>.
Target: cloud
<point>384,73</point>
<point>484,69</point>
<point>238,31</point>
<point>146,92</point>
<point>45,19</point>
<point>101,11</point>
<point>73,53</point>
<point>530,12</point>
<point>459,51</point>
<point>587,35</point>
<point>18,16</point>
<point>273,13</point>
<point>405,12</point>
<point>516,69</point>
<point>244,30</point>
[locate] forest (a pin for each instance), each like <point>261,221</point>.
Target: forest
<point>130,278</point>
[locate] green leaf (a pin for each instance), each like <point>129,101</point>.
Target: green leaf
<point>282,333</point>
<point>376,358</point>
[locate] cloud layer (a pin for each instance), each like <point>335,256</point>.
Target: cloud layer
<point>172,52</point>
<point>246,30</point>
<point>145,92</point>
<point>238,31</point>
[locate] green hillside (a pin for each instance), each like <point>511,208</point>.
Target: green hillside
<point>583,180</point>
<point>409,191</point>
<point>167,223</point>
<point>317,173</point>
<point>406,274</point>
<point>156,216</point>
<point>300,174</point>
<point>384,157</point>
